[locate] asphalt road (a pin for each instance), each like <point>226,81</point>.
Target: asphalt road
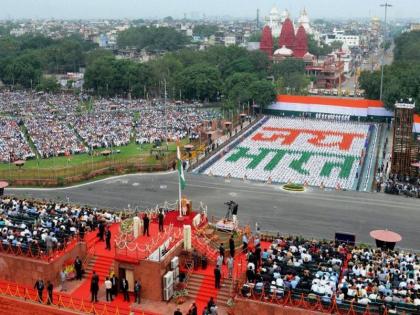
<point>312,214</point>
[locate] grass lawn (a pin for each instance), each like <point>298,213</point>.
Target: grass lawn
<point>129,151</point>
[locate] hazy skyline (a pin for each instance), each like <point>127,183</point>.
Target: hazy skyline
<point>85,9</point>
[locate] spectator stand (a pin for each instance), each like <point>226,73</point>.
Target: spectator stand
<point>298,280</point>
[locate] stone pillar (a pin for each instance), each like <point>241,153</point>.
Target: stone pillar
<point>187,237</point>
<point>137,223</point>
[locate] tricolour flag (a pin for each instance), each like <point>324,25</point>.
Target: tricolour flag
<point>180,170</point>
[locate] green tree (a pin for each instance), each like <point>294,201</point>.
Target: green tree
<point>152,39</point>
<point>263,92</point>
<point>239,78</point>
<point>91,56</point>
<point>288,67</point>
<point>48,85</point>
<point>322,49</point>
<point>200,82</point>
<point>99,75</point>
<point>370,83</point>
<point>255,37</point>
<point>407,47</point>
<point>205,30</point>
<point>297,83</point>
<point>9,47</point>
<point>24,70</point>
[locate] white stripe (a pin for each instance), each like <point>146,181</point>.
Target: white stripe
<point>331,109</point>
<point>91,183</point>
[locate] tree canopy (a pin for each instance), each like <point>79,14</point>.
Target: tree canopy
<point>402,78</point>
<point>205,30</point>
<point>321,49</point>
<point>229,73</point>
<point>290,76</point>
<point>152,38</point>
<point>24,59</point>
<point>407,47</point>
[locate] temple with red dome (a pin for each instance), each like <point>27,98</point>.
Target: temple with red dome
<point>287,35</point>
<point>291,44</point>
<point>301,43</point>
<point>266,43</point>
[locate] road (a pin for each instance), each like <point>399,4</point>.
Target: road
<point>314,213</point>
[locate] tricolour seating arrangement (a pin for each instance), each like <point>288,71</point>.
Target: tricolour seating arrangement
<point>298,150</point>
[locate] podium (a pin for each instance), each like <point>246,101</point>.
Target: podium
<point>186,206</point>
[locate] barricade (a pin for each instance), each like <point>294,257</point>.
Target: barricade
<point>317,304</point>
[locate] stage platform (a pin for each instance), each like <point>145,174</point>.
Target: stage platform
<point>157,244</point>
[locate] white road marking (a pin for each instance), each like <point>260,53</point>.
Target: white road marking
<point>109,179</point>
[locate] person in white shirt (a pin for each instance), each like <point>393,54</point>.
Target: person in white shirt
<point>108,289</point>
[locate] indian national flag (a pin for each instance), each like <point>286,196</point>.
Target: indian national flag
<point>180,170</point>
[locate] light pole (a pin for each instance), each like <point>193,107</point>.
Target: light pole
<point>166,121</point>
<point>386,5</point>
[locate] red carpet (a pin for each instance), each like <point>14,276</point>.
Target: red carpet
<point>172,217</point>
<point>207,289</point>
<point>103,265</point>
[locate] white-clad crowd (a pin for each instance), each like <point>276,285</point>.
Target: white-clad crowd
<point>53,137</point>
<point>175,121</point>
<point>382,278</point>
<point>63,124</point>
<point>104,129</point>
<point>45,226</point>
<point>13,145</point>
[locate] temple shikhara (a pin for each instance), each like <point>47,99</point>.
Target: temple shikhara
<point>292,41</point>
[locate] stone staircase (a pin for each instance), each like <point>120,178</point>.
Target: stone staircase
<point>224,293</point>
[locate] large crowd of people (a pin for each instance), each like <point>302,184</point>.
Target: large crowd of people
<point>104,129</point>
<point>402,185</point>
<point>181,122</point>
<point>13,145</point>
<point>45,226</point>
<point>329,270</point>
<point>53,137</point>
<point>64,124</point>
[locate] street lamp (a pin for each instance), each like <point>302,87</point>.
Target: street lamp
<point>386,5</point>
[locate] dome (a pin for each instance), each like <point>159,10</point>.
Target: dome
<point>274,11</point>
<point>308,57</point>
<point>284,51</point>
<point>287,35</point>
<point>274,14</point>
<point>304,18</point>
<point>284,15</point>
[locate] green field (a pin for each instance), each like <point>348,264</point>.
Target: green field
<point>63,171</point>
<point>125,152</point>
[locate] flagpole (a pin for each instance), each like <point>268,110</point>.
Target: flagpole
<point>180,171</point>
<point>179,196</point>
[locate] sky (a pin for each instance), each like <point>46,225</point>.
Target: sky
<point>87,9</point>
